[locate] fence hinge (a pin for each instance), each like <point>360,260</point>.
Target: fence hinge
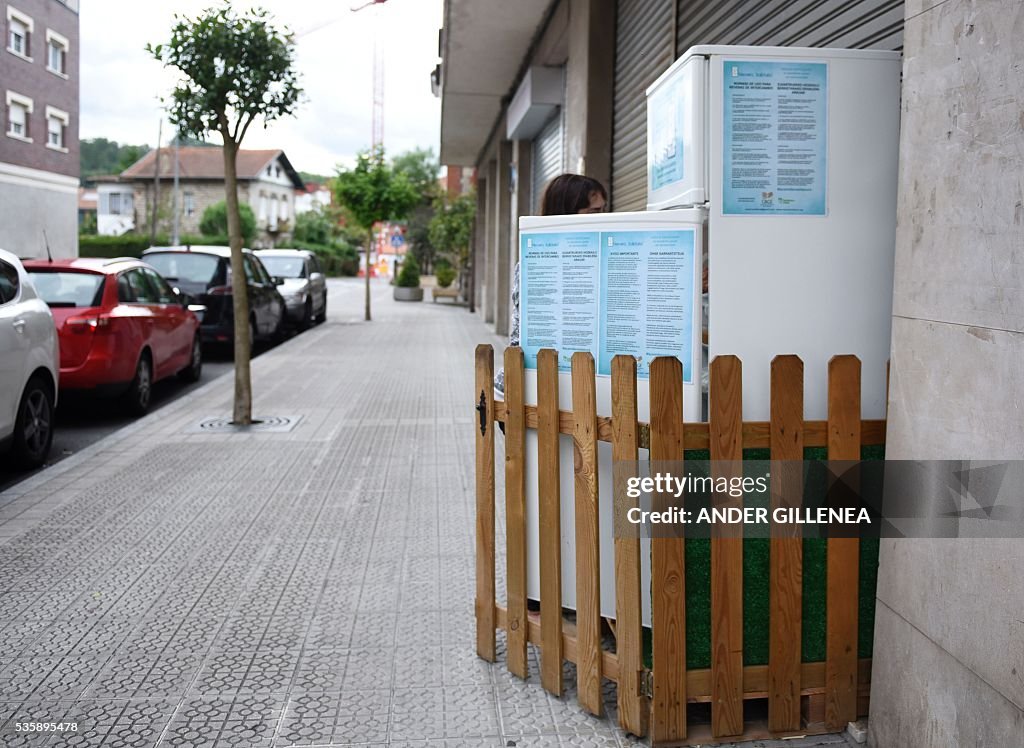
<point>646,684</point>
<point>644,436</point>
<point>482,410</point>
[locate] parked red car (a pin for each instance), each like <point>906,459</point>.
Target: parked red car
<point>120,325</point>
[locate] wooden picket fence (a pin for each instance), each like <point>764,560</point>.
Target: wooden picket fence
<point>802,697</point>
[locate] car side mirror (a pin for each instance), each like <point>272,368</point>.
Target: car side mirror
<point>278,280</point>
<point>183,298</point>
<point>197,309</point>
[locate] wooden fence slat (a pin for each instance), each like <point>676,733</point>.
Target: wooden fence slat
<point>785,591</point>
<point>668,594</point>
<point>515,511</point>
<point>588,554</point>
<point>843,570</point>
<point>628,625</point>
<point>549,484</point>
<point>726,430</point>
<point>484,425</point>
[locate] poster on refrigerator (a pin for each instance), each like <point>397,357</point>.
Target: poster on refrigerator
<point>665,133</point>
<point>558,294</point>
<point>775,139</point>
<point>608,293</point>
<point>647,297</point>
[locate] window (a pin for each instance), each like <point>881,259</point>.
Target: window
<point>18,110</point>
<point>68,289</point>
<point>19,34</point>
<point>141,288</point>
<point>165,294</point>
<point>9,283</point>
<point>56,129</point>
<point>190,204</point>
<point>114,204</point>
<point>57,53</point>
<point>125,295</point>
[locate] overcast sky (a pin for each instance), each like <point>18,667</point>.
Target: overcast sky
<point>121,84</point>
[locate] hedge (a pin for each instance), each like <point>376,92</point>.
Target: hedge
<point>133,245</point>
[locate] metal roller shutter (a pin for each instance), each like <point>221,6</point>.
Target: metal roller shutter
<point>642,54</point>
<point>643,49</point>
<point>854,24</point>
<point>548,157</point>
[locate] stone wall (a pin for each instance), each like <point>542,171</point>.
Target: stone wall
<point>949,629</point>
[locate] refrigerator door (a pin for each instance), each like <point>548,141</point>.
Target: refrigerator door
<point>560,288</point>
<point>676,135</point>
<point>802,215</point>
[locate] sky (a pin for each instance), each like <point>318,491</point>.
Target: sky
<point>121,84</point>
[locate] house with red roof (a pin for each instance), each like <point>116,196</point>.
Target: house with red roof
<point>267,182</point>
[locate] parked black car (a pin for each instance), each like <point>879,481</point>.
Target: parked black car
<point>204,273</point>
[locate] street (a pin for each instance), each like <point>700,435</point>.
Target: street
<point>82,420</point>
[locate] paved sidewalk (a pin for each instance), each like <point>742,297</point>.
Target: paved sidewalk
<point>175,588</point>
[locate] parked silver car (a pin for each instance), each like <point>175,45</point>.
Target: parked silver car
<point>301,281</point>
<point>29,366</point>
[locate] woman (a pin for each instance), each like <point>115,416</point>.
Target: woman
<point>566,194</point>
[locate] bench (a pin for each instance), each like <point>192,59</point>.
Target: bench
<point>445,293</point>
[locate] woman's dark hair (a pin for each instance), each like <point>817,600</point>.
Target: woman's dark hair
<point>569,193</point>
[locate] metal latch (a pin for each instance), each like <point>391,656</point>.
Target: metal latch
<point>646,685</point>
<point>482,410</point>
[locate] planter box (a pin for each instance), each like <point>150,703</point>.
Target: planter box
<point>408,294</point>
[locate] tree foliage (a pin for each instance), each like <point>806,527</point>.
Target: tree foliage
<point>235,68</point>
<point>102,156</point>
<point>451,228</point>
<point>409,273</point>
<point>315,226</point>
<point>420,167</point>
<point>374,191</point>
<point>215,221</point>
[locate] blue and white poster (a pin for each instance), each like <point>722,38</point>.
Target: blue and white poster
<point>775,139</point>
<point>647,298</point>
<point>609,293</point>
<point>665,134</point>
<point>558,294</point>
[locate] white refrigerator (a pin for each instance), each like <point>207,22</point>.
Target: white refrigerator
<point>793,155</point>
<point>778,168</point>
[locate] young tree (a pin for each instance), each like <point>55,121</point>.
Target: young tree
<point>451,231</point>
<point>371,192</point>
<point>235,68</point>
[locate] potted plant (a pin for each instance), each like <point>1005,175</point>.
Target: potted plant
<point>407,287</point>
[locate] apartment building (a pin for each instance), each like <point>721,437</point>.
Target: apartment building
<point>39,160</point>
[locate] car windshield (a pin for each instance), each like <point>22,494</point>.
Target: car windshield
<point>186,269</point>
<point>68,289</point>
<point>284,267</point>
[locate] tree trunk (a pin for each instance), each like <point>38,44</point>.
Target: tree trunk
<point>239,290</point>
<point>369,247</point>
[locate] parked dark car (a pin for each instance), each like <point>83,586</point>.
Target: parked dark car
<point>304,288</point>
<point>204,273</point>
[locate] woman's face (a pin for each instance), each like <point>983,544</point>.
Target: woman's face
<point>596,205</point>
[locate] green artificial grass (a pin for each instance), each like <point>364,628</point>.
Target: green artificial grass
<point>756,592</point>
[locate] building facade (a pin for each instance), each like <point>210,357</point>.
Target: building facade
<point>267,182</point>
<point>39,163</point>
<point>537,87</point>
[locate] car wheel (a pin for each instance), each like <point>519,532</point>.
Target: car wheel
<point>194,370</point>
<point>33,429</point>
<point>307,315</point>
<point>140,392</point>
<point>322,317</point>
